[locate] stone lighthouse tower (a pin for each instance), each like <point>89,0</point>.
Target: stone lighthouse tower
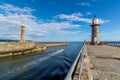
<point>22,39</point>
<point>95,33</point>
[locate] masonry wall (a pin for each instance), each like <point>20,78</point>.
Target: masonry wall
<point>16,46</point>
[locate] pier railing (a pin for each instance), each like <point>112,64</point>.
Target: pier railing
<point>113,43</point>
<point>71,72</point>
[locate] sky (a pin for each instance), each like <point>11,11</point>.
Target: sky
<point>59,20</point>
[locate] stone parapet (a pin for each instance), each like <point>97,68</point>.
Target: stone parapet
<point>15,46</point>
<point>19,48</point>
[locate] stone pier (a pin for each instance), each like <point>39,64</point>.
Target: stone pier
<point>104,62</point>
<point>19,48</point>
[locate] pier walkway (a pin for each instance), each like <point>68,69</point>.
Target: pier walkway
<point>104,62</point>
<point>96,62</point>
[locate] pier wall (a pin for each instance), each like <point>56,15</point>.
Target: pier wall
<point>19,48</point>
<point>105,62</point>
<point>56,44</point>
<point>15,46</point>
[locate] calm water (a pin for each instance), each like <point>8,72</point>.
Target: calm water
<point>53,64</point>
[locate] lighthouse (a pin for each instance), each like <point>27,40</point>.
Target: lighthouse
<point>22,39</point>
<point>95,32</point>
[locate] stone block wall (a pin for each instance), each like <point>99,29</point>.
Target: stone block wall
<point>16,46</point>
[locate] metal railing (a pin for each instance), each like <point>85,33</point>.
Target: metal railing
<point>81,65</point>
<point>113,43</point>
<point>71,72</point>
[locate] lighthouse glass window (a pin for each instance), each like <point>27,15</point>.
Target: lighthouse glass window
<point>96,21</point>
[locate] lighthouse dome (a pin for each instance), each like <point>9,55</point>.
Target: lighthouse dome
<point>22,24</point>
<point>95,21</point>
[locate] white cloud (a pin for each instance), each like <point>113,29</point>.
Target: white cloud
<point>117,32</point>
<point>11,9</point>
<point>11,17</point>
<point>95,0</point>
<point>88,13</point>
<point>78,17</point>
<point>84,4</point>
<point>71,16</point>
<point>103,21</point>
<point>74,17</point>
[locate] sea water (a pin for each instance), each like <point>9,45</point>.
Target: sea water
<point>53,64</point>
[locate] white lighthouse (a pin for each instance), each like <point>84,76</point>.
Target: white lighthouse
<point>95,33</point>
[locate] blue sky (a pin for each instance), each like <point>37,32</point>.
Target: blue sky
<point>59,20</point>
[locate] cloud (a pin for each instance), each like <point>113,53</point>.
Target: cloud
<point>37,29</point>
<point>8,9</point>
<point>117,32</point>
<point>103,21</point>
<point>78,17</point>
<point>74,17</point>
<point>95,0</point>
<point>12,16</point>
<point>84,4</point>
<point>88,13</point>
